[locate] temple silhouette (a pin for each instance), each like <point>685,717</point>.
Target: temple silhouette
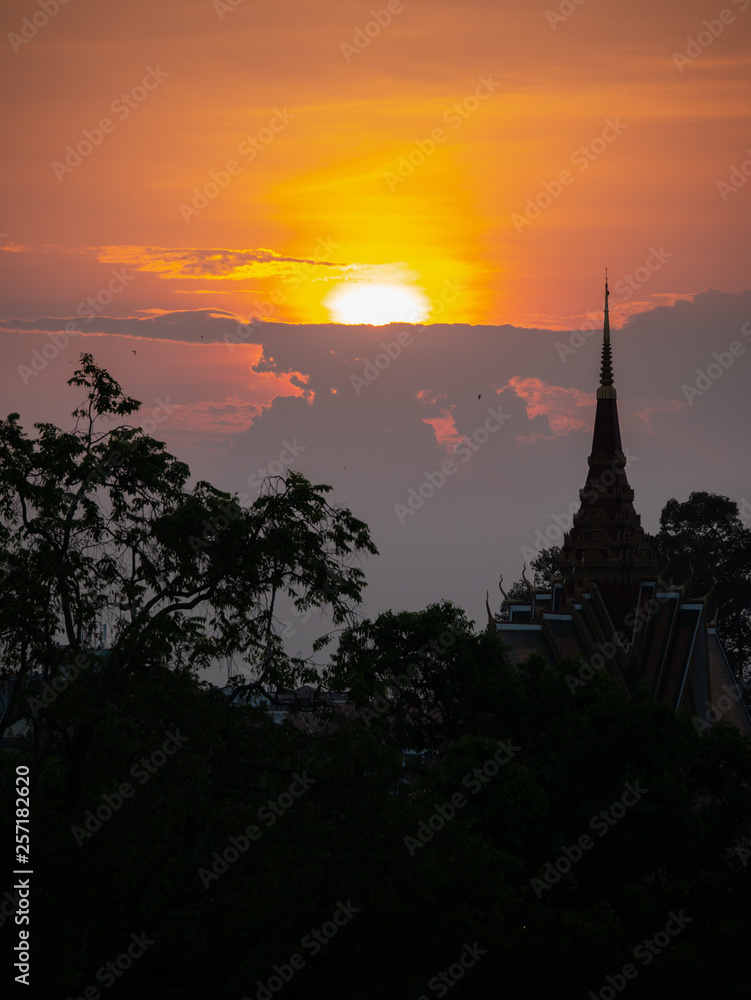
<point>611,607</point>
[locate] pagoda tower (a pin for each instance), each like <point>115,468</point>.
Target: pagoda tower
<point>607,544</point>
<point>610,608</point>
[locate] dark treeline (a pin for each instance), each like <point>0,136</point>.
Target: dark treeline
<point>456,827</point>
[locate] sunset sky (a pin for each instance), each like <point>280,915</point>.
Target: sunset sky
<point>175,170</point>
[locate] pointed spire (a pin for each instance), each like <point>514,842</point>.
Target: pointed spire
<point>606,390</point>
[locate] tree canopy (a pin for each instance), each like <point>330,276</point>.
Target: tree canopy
<point>447,823</point>
<point>706,540</point>
<point>98,527</point>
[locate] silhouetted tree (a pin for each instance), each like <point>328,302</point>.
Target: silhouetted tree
<point>462,803</point>
<point>705,536</point>
<point>97,526</point>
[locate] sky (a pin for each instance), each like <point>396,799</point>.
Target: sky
<point>238,191</point>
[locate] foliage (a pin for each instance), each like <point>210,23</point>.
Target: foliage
<point>375,832</point>
<point>98,527</point>
<point>704,536</point>
<point>423,679</point>
<point>442,812</point>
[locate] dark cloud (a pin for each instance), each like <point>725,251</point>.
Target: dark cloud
<point>384,407</point>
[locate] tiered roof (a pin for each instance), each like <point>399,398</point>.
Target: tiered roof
<point>610,607</point>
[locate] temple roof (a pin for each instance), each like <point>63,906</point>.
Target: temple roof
<point>610,607</point>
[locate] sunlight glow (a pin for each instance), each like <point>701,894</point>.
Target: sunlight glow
<point>376,304</point>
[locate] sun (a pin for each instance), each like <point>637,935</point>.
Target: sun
<point>376,304</point>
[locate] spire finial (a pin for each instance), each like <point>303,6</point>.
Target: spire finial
<point>606,390</point>
<point>606,328</point>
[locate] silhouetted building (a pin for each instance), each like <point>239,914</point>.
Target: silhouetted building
<point>611,607</point>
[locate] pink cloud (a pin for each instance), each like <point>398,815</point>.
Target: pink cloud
<point>446,435</point>
<point>650,406</point>
<point>220,417</point>
<point>555,402</point>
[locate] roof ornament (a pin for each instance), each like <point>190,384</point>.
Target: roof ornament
<point>606,389</point>
<point>505,595</point>
<point>661,574</point>
<point>689,578</point>
<point>530,588</point>
<point>491,620</point>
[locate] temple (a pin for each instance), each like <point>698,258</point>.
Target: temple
<point>611,607</point>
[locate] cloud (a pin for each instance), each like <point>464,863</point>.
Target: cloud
<point>447,436</point>
<point>220,264</point>
<point>236,411</point>
<point>188,325</point>
<point>650,406</point>
<point>557,403</point>
<point>11,247</point>
<point>215,417</point>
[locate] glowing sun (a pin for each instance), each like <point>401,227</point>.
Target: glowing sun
<point>376,304</point>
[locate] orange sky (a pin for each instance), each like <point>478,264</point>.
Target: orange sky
<point>406,155</point>
<point>175,170</point>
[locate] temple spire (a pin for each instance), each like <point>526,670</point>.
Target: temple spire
<point>606,389</point>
